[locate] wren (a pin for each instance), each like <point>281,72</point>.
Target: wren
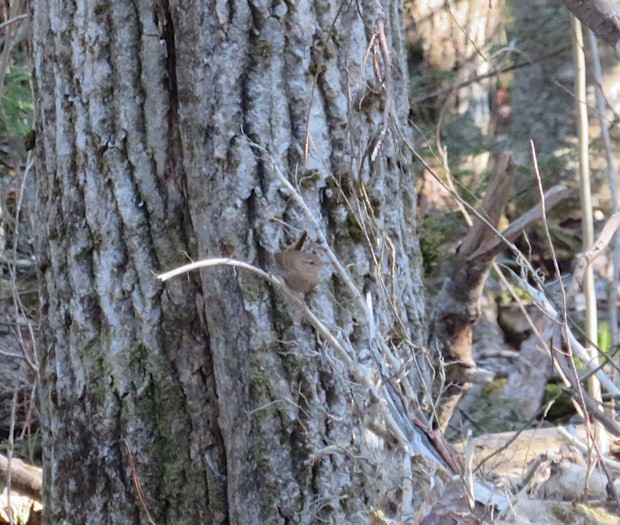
<point>301,271</point>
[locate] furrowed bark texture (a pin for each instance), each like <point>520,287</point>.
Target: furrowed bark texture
<point>127,372</point>
<point>208,391</point>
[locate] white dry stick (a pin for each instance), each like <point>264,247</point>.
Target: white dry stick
<point>468,471</point>
<point>13,20</point>
<point>388,412</point>
<point>547,307</point>
<point>612,175</point>
<point>342,272</point>
<point>587,222</point>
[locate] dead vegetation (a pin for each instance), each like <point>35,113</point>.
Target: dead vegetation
<point>504,477</point>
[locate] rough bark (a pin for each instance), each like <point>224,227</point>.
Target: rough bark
<point>124,362</point>
<point>457,307</point>
<point>601,16</point>
<point>206,390</point>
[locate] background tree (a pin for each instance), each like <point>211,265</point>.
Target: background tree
<point>208,392</point>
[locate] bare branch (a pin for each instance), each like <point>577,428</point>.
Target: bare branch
<point>553,197</point>
<point>601,16</point>
<point>25,479</point>
<point>584,259</point>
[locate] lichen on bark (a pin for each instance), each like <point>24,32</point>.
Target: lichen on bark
<point>209,389</point>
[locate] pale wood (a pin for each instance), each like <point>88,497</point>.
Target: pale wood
<point>25,479</point>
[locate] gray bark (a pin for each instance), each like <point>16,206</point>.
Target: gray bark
<point>601,16</point>
<point>208,390</point>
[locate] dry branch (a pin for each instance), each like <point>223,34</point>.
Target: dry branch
<point>601,16</point>
<point>25,479</point>
<point>456,309</point>
<point>492,206</point>
<point>552,198</point>
<point>547,306</point>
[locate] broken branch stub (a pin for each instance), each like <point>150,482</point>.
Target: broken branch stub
<point>457,308</point>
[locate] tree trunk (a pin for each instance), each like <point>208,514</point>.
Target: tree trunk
<point>456,36</point>
<point>206,399</point>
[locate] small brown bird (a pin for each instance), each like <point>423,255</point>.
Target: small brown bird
<point>301,271</point>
